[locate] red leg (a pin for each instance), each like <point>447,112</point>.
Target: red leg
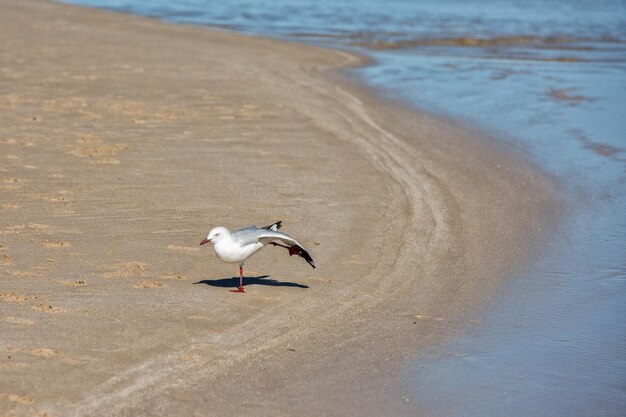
<point>240,289</point>
<point>293,250</point>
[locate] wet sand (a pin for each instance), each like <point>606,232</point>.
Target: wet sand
<point>124,140</point>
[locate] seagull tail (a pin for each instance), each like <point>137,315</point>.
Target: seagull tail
<point>274,226</point>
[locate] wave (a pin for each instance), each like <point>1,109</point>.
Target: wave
<point>469,41</point>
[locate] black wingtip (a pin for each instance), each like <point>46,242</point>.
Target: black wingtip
<point>274,226</point>
<point>304,254</point>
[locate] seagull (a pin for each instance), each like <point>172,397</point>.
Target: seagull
<point>236,247</point>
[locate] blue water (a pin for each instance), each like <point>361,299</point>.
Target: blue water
<point>548,76</point>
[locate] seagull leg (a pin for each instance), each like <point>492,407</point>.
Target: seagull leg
<point>293,250</point>
<point>240,289</point>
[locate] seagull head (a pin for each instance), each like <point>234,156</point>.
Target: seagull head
<point>215,235</point>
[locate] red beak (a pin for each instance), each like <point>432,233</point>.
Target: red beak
<point>204,241</point>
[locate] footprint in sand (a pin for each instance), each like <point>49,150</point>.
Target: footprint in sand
<point>76,283</point>
<point>19,320</point>
<point>10,184</point>
<point>39,227</point>
<point>23,274</point>
<point>14,365</point>
<point>55,244</point>
<point>354,260</point>
<point>5,259</point>
<point>12,297</point>
<point>183,248</point>
<point>171,275</point>
<point>13,230</point>
<point>98,150</point>
<point>125,270</point>
<point>15,298</point>
<point>149,284</point>
<point>16,229</point>
<point>48,308</point>
<point>15,398</point>
<point>59,198</point>
<point>44,352</point>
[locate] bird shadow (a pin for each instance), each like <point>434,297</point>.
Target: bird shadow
<point>260,280</point>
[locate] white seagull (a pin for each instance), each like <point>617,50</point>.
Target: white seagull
<point>238,246</point>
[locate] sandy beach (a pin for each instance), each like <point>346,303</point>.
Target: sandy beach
<point>124,140</point>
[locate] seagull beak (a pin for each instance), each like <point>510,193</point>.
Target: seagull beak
<point>204,241</point>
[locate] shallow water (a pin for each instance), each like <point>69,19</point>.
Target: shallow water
<point>554,344</point>
<point>549,77</point>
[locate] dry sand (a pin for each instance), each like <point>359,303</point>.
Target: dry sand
<point>124,140</point>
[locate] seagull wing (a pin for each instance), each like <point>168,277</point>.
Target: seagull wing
<point>268,236</point>
<point>273,226</point>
